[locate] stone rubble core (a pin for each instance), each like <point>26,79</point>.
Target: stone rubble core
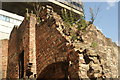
<point>47,45</point>
<point>100,61</point>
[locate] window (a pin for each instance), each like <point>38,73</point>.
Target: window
<point>9,19</point>
<point>4,18</point>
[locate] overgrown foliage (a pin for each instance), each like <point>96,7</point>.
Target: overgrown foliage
<point>70,19</point>
<point>37,10</point>
<point>73,23</point>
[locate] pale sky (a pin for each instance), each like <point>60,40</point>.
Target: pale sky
<point>107,18</point>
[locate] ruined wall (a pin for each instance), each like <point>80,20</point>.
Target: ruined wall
<point>22,40</point>
<point>26,43</point>
<point>43,45</point>
<point>12,55</point>
<point>3,58</point>
<point>102,53</point>
<point>98,55</point>
<point>50,46</point>
<point>0,60</point>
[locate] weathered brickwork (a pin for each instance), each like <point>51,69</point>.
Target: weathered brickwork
<point>45,50</point>
<point>42,45</point>
<point>3,58</point>
<point>51,46</point>
<point>13,57</point>
<point>0,60</point>
<point>21,41</point>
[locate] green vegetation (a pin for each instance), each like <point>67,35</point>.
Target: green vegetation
<point>73,23</point>
<point>70,18</point>
<point>94,44</point>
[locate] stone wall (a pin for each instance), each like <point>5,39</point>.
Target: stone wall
<point>98,55</point>
<point>3,58</point>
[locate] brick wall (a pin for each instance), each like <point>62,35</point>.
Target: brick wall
<point>12,55</point>
<point>3,57</point>
<point>0,59</point>
<point>44,47</point>
<point>51,47</point>
<point>22,40</point>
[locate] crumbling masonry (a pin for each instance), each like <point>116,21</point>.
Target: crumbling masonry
<point>44,51</point>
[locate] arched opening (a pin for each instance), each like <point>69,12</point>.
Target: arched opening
<point>55,71</point>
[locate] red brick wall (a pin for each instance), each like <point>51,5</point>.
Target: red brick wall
<point>0,59</point>
<point>42,44</point>
<point>12,55</point>
<point>50,46</point>
<point>4,57</point>
<point>20,41</point>
<point>23,42</point>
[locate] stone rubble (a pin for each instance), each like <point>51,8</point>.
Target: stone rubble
<point>100,61</point>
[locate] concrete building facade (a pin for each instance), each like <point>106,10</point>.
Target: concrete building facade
<point>7,22</point>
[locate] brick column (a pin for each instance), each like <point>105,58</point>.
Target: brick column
<point>32,44</point>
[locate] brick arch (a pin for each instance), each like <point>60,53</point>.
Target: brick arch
<point>47,62</point>
<point>58,70</point>
<point>50,46</point>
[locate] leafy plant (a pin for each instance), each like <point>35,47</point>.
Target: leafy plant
<point>82,24</point>
<point>69,17</point>
<point>94,44</point>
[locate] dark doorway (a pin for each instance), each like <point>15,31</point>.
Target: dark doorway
<point>21,65</point>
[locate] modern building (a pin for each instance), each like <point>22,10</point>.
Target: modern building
<point>7,22</point>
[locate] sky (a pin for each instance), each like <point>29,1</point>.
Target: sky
<point>107,18</point>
